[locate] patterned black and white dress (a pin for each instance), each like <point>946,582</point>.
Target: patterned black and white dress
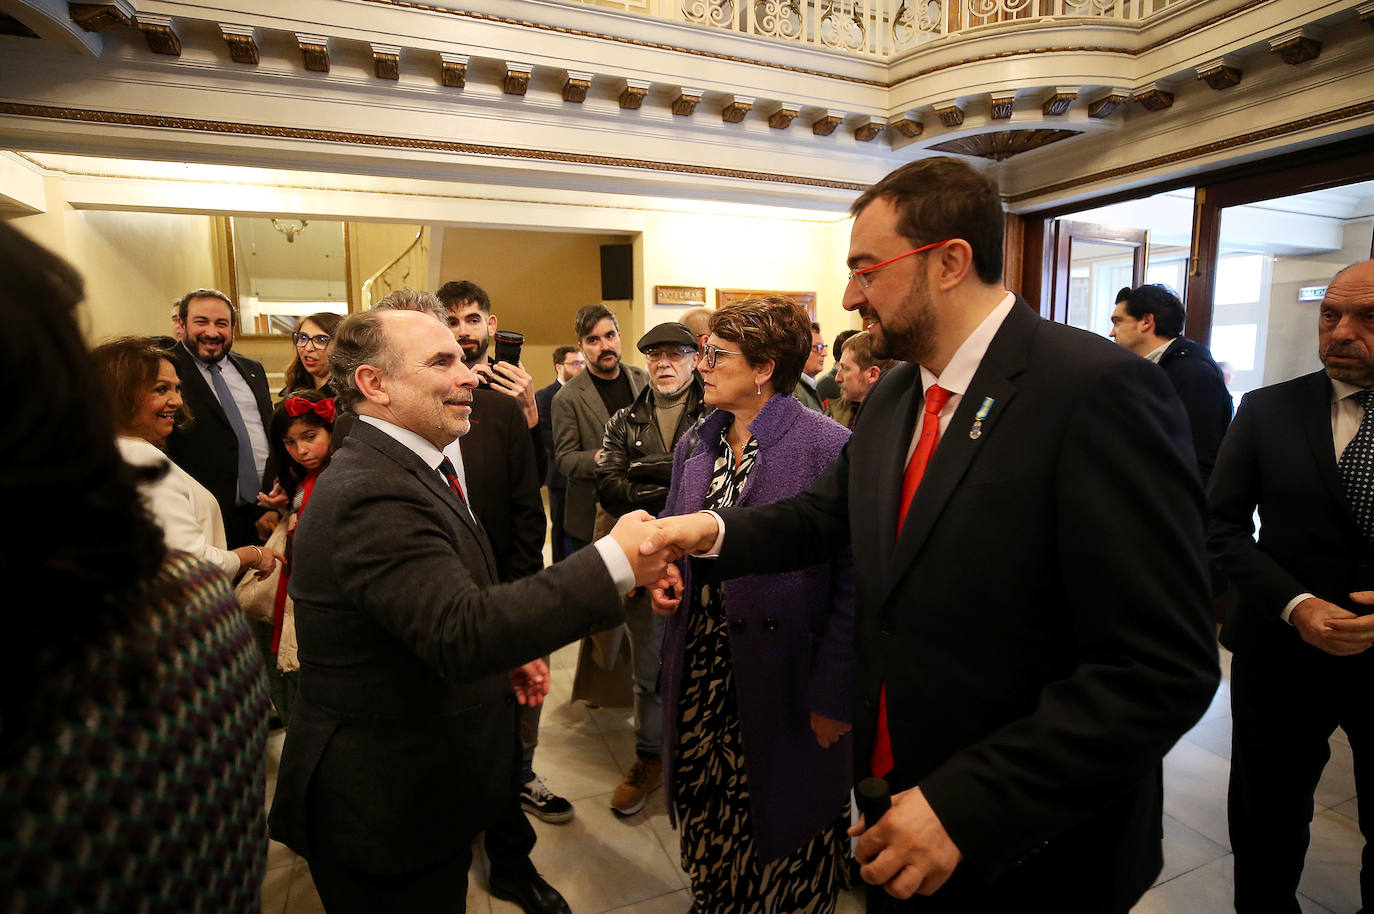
<point>712,786</point>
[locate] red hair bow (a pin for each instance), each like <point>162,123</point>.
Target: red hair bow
<point>299,406</point>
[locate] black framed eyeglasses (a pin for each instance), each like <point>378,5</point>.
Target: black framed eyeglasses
<point>319,341</point>
<point>711,354</point>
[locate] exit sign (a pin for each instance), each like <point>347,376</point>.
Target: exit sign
<point>1312,293</point>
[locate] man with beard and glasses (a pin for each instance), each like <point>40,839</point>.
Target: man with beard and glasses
<point>1033,624</point>
<point>635,472</point>
<point>473,325</point>
<point>1302,454</point>
<point>225,447</point>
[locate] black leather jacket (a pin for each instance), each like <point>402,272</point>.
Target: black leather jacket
<point>637,466</point>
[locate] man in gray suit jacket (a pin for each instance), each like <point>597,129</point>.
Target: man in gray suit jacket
<point>413,657</point>
<point>580,412</point>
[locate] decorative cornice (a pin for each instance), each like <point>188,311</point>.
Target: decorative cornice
<point>737,110</point>
<point>632,96</point>
<point>576,86</point>
<point>1294,48</point>
<point>453,70</point>
<point>826,123</point>
<point>101,17</point>
<point>1106,105</point>
<point>158,32</point>
<point>517,80</point>
<point>122,119</point>
<point>386,61</point>
<point>783,117</point>
<point>949,113</point>
<point>243,47</point>
<point>314,52</point>
<point>1153,98</point>
<point>1059,102</point>
<point>1218,74</point>
<point>868,130</point>
<point>906,126</point>
<point>1003,144</point>
<point>1182,155</point>
<point>686,102</point>
<point>1002,104</point>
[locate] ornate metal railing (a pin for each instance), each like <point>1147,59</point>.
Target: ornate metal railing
<point>406,271</point>
<point>880,28</point>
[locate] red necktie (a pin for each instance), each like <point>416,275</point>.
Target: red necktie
<point>936,397</point>
<point>446,467</point>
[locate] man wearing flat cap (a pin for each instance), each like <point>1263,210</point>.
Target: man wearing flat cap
<point>634,473</point>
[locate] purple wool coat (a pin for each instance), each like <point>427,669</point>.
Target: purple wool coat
<point>791,634</point>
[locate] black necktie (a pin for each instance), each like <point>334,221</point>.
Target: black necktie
<point>1356,467</point>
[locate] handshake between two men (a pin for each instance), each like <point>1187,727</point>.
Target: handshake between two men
<point>652,546</point>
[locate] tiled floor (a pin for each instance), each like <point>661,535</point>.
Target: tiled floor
<point>630,866</point>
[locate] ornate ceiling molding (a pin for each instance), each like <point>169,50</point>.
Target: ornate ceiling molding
<point>517,79</point>
<point>123,119</point>
<point>101,17</point>
<point>783,117</point>
<point>386,61</point>
<point>314,52</point>
<point>736,110</point>
<point>632,96</point>
<point>1003,144</point>
<point>576,86</point>
<point>160,35</point>
<point>1294,48</point>
<point>906,126</point>
<point>826,123</point>
<point>1107,105</point>
<point>453,69</point>
<point>243,46</point>
<point>1206,149</point>
<point>1002,104</point>
<point>686,102</point>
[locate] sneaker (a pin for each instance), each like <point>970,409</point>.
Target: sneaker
<point>539,801</point>
<point>646,776</point>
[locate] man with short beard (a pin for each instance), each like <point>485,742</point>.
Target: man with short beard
<point>225,448</point>
<point>1302,453</point>
<point>1033,625</point>
<point>635,472</point>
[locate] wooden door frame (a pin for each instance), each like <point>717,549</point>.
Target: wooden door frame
<point>1065,231</point>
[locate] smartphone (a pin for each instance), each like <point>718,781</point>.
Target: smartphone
<point>508,344</point>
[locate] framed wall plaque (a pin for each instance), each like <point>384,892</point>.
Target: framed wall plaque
<point>687,296</point>
<point>730,296</point>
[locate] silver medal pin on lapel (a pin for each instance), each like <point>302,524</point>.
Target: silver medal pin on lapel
<point>976,431</point>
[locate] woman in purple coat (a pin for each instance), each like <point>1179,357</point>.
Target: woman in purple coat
<point>756,671</point>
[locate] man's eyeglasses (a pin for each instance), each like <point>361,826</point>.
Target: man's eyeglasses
<point>819,347</point>
<point>670,354</point>
<point>320,341</point>
<point>711,354</point>
<point>864,277</point>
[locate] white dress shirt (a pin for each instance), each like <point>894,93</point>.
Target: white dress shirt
<point>243,399</point>
<point>622,573</point>
<point>1346,416</point>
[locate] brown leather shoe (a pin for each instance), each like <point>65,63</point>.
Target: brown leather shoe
<point>645,776</point>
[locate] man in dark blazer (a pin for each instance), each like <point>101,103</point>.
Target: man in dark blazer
<point>1302,453</point>
<point>402,742</point>
<point>567,364</point>
<point>580,411</point>
<point>1022,663</point>
<point>1148,320</point>
<point>210,448</point>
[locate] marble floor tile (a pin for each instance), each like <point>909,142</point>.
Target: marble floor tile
<point>1195,790</point>
<point>1185,850</point>
<point>302,897</point>
<point>1205,890</point>
<point>1212,734</point>
<point>1331,874</point>
<point>276,887</point>
<point>675,903</point>
<point>575,762</point>
<point>1337,783</point>
<point>1350,809</point>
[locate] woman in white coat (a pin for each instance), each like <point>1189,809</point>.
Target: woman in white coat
<point>146,398</point>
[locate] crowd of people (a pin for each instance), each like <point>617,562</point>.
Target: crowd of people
<point>980,561</point>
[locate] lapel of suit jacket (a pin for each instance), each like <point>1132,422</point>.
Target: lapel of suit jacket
<point>1315,418</point>
<point>200,393</point>
<point>958,448</point>
<point>591,402</point>
<point>431,479</point>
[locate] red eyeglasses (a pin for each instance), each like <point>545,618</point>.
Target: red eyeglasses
<point>862,276</point>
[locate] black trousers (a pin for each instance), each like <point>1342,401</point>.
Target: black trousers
<point>440,889</point>
<point>1283,712</point>
<point>557,498</point>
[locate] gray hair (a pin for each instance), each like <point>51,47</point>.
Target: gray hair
<point>413,300</point>
<point>359,340</point>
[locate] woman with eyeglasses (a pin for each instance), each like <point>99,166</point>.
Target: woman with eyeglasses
<point>756,671</point>
<point>309,368</point>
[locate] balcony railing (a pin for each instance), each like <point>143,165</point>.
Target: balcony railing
<point>880,28</point>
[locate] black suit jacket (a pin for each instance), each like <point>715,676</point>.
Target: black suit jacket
<point>503,483</point>
<point>208,449</point>
<point>1279,457</point>
<point>1039,659</point>
<point>543,400</point>
<point>400,746</point>
<point>1199,383</point>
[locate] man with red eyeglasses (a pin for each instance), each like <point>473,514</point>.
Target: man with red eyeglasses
<point>1033,621</point>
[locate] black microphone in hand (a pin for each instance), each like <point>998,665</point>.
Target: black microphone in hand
<point>875,799</point>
